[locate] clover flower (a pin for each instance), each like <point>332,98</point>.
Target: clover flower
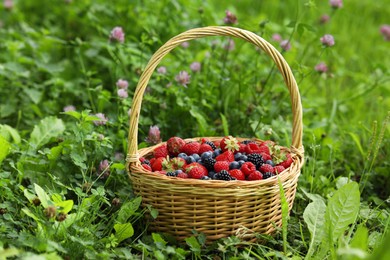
<point>327,40</point>
<point>195,66</point>
<point>324,19</point>
<point>69,108</point>
<point>104,169</point>
<point>276,37</point>
<point>122,93</point>
<point>123,84</point>
<point>153,135</point>
<point>117,34</point>
<point>321,67</point>
<point>183,78</point>
<point>336,3</point>
<point>285,45</point>
<point>230,45</point>
<point>103,119</point>
<point>162,70</point>
<point>385,31</point>
<point>185,45</point>
<point>230,18</point>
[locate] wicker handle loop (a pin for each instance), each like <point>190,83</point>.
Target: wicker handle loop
<point>132,156</point>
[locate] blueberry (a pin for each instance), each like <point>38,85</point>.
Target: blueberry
<point>196,156</point>
<point>270,162</point>
<point>217,152</point>
<point>211,174</point>
<point>190,159</point>
<point>244,158</point>
<point>178,171</point>
<point>206,155</point>
<point>205,178</point>
<point>241,162</point>
<point>182,155</point>
<point>237,156</point>
<point>234,165</point>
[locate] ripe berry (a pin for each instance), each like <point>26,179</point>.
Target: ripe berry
<point>234,165</point>
<point>229,143</point>
<point>278,169</point>
<point>223,175</point>
<point>171,174</point>
<point>182,175</point>
<point>267,175</point>
<point>190,159</point>
<point>206,155</point>
<point>255,176</point>
<point>239,175</point>
<point>205,148</point>
<point>191,148</point>
<point>174,145</point>
<point>217,152</point>
<point>266,168</point>
<point>226,156</point>
<point>197,171</point>
<point>211,174</point>
<point>205,178</point>
<point>160,151</point>
<point>286,163</point>
<point>209,163</point>
<point>256,159</point>
<point>147,167</point>
<point>211,144</point>
<point>221,165</point>
<point>270,162</point>
<point>247,168</point>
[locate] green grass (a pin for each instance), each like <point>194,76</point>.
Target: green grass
<point>59,54</point>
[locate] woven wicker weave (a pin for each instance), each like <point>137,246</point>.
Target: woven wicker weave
<point>216,208</point>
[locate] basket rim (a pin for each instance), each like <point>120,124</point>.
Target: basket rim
<point>136,169</point>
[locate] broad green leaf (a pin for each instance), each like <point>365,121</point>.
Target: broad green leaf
<point>119,166</point>
<point>74,114</point>
<point>56,198</point>
<point>342,210</point>
<point>4,148</point>
<point>43,197</point>
<point>360,239</point>
<point>8,253</point>
<point>29,195</point>
<point>123,231</point>
<point>128,209</point>
<point>314,217</point>
<point>157,239</point>
<point>382,251</point>
<point>65,206</point>
<point>193,243</point>
<point>33,94</point>
<point>48,128</point>
<point>30,214</point>
<point>7,132</point>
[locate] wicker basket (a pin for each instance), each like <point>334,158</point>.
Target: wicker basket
<point>216,208</point>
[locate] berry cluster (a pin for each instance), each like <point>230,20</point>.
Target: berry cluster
<point>227,159</point>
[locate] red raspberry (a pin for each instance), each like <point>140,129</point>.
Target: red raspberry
<point>266,156</point>
<point>191,148</point>
<point>255,176</point>
<point>160,151</point>
<point>242,148</point>
<point>252,148</point>
<point>236,173</point>
<point>247,168</point>
<point>147,167</point>
<point>263,149</point>
<point>182,175</point>
<point>205,148</point>
<point>286,163</point>
<point>266,168</point>
<point>221,165</point>
<point>278,169</point>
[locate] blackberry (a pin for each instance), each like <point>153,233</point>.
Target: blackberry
<point>172,174</point>
<point>211,144</point>
<point>256,159</point>
<point>209,163</point>
<point>247,142</point>
<point>267,175</point>
<point>146,161</point>
<point>212,174</point>
<point>223,175</point>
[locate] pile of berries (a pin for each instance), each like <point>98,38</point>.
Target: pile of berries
<point>227,159</point>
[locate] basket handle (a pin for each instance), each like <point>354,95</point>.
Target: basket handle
<point>132,156</point>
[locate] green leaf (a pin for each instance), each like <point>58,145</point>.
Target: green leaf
<point>202,122</point>
<point>284,206</point>
<point>342,210</point>
<point>128,209</point>
<point>356,139</point>
<point>48,128</point>
<point>119,166</point>
<point>315,220</point>
<point>30,214</point>
<point>33,94</point>
<point>123,231</point>
<point>360,239</point>
<point>158,240</point>
<point>225,125</point>
<point>382,252</point>
<point>4,148</point>
<point>7,132</point>
<point>193,243</point>
<point>65,206</point>
<point>43,197</point>
<point>74,114</point>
